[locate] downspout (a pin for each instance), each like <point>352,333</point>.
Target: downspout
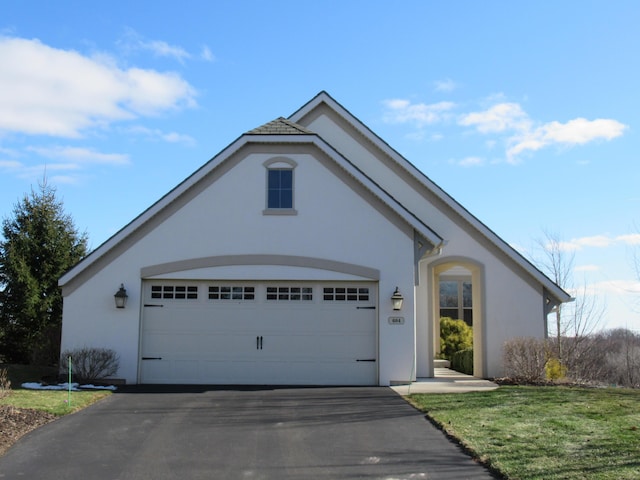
<point>422,248</point>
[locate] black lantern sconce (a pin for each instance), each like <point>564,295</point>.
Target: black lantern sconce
<point>397,299</point>
<point>121,297</point>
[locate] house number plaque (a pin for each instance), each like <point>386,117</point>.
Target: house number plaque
<point>396,320</point>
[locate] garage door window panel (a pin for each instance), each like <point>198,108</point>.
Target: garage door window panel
<point>345,294</point>
<point>174,292</point>
<point>296,294</point>
<point>227,292</point>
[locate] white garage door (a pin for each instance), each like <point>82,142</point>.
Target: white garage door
<point>259,333</point>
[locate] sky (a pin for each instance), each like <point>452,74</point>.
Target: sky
<point>528,114</point>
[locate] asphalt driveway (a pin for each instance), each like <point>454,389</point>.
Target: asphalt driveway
<point>241,433</point>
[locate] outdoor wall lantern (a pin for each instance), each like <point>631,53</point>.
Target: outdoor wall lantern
<point>397,299</point>
<point>121,297</point>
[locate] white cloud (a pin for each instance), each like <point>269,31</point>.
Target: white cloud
<point>470,162</point>
<point>500,117</point>
<point>63,164</point>
<point>10,165</point>
<point>62,93</point>
<point>64,179</point>
<point>206,54</point>
<point>174,137</point>
<point>619,287</point>
<point>163,49</point>
<point>587,268</point>
<point>403,111</point>
<point>131,41</point>
<point>523,136</point>
<point>446,85</point>
<point>630,239</point>
<point>80,155</point>
<point>171,137</point>
<point>599,241</point>
<point>578,131</point>
<point>34,172</point>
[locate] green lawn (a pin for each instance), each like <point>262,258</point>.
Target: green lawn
<point>55,402</point>
<point>545,432</point>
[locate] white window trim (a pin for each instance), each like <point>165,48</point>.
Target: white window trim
<point>280,163</point>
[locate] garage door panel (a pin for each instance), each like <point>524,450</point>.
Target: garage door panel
<point>342,346</point>
<point>296,347</point>
<point>203,340</point>
<point>197,343</point>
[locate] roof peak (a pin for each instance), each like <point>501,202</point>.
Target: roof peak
<point>280,126</point>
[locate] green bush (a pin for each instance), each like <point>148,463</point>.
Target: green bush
<point>462,361</point>
<point>455,335</point>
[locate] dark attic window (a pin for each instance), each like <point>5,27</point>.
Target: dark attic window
<point>280,189</point>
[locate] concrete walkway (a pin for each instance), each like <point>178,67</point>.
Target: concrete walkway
<point>446,381</point>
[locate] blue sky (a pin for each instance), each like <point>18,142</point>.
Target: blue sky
<point>527,114</point>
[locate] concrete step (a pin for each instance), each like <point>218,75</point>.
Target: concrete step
<point>439,363</point>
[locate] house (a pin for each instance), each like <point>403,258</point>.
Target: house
<point>283,259</point>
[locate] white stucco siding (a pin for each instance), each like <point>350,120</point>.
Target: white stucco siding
<point>358,151</point>
<point>332,222</point>
<point>90,318</point>
<point>513,308</point>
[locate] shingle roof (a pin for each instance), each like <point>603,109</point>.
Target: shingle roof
<point>280,126</point>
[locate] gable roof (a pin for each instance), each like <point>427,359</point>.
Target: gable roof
<point>279,131</point>
<point>289,131</point>
<point>323,98</point>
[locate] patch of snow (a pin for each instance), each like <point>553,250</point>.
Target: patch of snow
<point>74,387</point>
<point>98,387</point>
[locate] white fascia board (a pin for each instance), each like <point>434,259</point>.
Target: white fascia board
<point>423,179</point>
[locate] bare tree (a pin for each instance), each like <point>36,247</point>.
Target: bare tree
<point>576,321</point>
<point>558,263</point>
<point>621,349</point>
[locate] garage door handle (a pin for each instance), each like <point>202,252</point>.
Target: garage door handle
<point>259,343</point>
<point>366,360</point>
<point>365,308</point>
<point>153,305</point>
<point>151,358</point>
